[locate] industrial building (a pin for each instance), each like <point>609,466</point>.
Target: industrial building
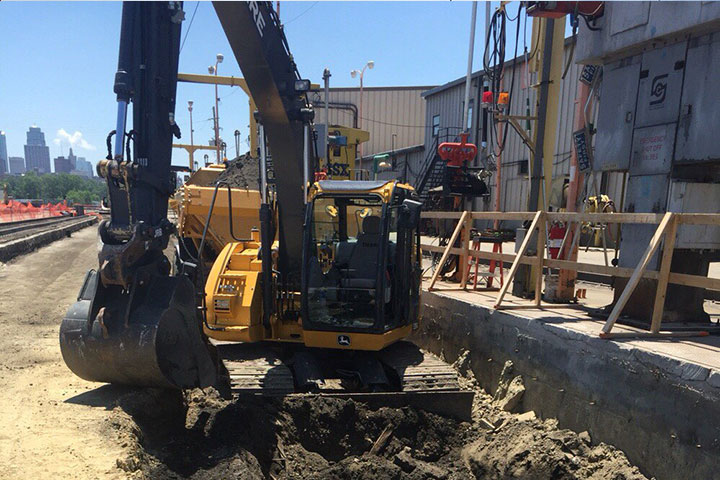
<point>394,117</point>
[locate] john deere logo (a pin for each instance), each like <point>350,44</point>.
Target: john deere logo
<point>343,340</point>
<point>658,90</point>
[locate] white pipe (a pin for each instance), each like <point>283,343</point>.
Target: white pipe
<point>468,76</point>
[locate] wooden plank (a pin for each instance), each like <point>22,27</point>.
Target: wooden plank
<point>651,218</point>
<point>441,215</point>
<point>638,273</point>
<point>698,218</point>
<point>467,224</point>
<point>694,281</point>
<point>518,259</point>
<point>663,277</point>
<point>540,254</point>
<point>515,216</point>
<point>674,278</point>
<point>450,244</point>
<point>594,268</point>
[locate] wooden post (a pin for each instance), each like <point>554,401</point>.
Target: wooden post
<point>518,257</point>
<point>466,249</point>
<point>667,255</point>
<point>637,274</point>
<point>540,246</point>
<point>446,253</point>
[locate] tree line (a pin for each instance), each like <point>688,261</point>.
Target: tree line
<point>55,187</point>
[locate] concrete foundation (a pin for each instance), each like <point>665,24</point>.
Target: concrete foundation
<point>659,400</point>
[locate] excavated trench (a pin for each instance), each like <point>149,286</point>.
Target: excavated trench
<point>199,435</point>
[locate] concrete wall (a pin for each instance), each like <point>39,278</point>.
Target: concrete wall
<point>662,412</point>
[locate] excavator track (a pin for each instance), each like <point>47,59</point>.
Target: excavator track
<point>426,382</point>
<point>255,370</point>
<point>419,371</point>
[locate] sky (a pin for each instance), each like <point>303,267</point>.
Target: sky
<point>58,61</point>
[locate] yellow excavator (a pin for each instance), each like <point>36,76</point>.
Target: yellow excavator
<point>320,278</point>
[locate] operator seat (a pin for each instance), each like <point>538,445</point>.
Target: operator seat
<point>363,264</point>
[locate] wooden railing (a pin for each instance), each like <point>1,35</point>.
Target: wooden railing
<point>667,225</point>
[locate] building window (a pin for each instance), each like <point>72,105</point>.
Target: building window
<point>470,116</point>
<point>523,167</point>
<point>436,125</point>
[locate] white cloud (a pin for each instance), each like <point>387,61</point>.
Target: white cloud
<point>74,140</point>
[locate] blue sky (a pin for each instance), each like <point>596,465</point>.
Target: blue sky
<point>58,61</point>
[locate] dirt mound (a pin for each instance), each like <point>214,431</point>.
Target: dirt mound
<point>203,436</point>
<point>242,172</point>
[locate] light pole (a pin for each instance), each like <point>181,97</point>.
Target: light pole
<point>192,144</point>
<point>213,70</point>
<point>353,74</point>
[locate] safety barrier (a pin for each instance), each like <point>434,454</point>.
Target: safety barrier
<point>14,211</point>
<point>667,225</point>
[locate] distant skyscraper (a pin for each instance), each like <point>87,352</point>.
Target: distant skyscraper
<point>17,165</point>
<point>72,159</point>
<point>63,165</point>
<point>3,154</point>
<point>83,167</point>
<point>37,154</point>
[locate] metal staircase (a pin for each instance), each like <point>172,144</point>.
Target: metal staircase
<point>433,170</point>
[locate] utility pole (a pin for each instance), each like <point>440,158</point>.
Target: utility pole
<point>326,79</point>
<point>216,113</point>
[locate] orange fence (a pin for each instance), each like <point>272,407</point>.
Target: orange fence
<point>13,211</point>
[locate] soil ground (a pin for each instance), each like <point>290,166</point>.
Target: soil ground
<point>58,426</point>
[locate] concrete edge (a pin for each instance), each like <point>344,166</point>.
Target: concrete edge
<point>683,372</point>
<point>25,245</point>
<point>661,411</point>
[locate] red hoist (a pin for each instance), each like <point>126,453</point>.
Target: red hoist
<point>457,154</point>
<point>459,178</point>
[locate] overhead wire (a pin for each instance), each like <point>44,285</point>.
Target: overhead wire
<point>187,32</point>
<point>301,14</point>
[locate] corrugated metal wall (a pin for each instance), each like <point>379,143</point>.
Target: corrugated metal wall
<point>385,110</point>
<point>515,186</point>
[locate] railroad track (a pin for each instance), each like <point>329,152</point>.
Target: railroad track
<point>12,230</point>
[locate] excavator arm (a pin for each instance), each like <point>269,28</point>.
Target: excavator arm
<point>134,323</point>
<point>261,50</point>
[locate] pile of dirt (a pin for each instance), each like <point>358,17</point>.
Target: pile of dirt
<point>242,172</point>
<point>204,436</point>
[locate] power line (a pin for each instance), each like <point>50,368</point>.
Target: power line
<point>187,32</point>
<point>301,14</point>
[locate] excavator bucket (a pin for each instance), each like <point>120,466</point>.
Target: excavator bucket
<point>146,336</point>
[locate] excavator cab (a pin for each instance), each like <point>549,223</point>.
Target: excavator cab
<point>361,263</point>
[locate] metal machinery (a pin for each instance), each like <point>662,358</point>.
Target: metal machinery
<point>657,115</point>
<point>334,264</point>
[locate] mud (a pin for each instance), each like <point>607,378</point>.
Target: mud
<point>242,172</point>
<point>202,436</point>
